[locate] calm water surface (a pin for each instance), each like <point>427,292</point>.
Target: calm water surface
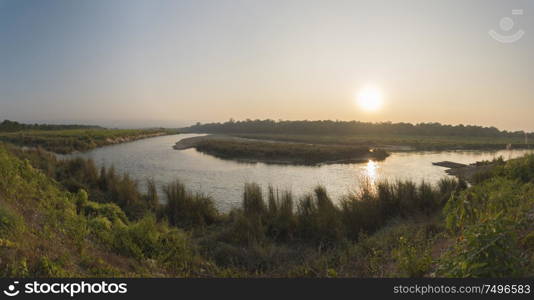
<point>224,179</point>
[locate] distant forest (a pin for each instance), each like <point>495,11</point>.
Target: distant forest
<point>328,127</point>
<point>12,126</point>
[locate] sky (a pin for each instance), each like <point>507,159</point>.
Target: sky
<point>172,63</point>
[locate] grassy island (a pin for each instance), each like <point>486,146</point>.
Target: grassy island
<point>247,150</point>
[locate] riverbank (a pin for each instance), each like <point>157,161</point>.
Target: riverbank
<point>192,142</point>
<point>399,142</point>
<point>77,140</point>
<point>274,152</point>
<point>87,223</point>
<point>471,173</point>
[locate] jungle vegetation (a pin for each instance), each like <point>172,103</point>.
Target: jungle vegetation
<point>67,218</point>
<point>422,136</point>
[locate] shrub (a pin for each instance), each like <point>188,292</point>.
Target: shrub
<point>528,241</point>
<point>108,210</point>
<point>176,253</point>
<point>447,187</point>
<point>9,222</point>
<point>138,240</point>
<point>245,230</point>
<point>521,169</point>
<point>48,268</point>
<point>147,239</point>
<point>16,268</point>
<point>486,249</point>
<point>151,196</point>
<point>371,208</point>
<point>361,213</point>
<point>486,200</point>
<point>281,220</point>
<point>413,257</point>
<point>319,218</point>
<point>185,209</point>
<point>253,204</point>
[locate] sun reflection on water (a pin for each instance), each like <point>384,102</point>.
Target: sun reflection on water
<point>371,172</point>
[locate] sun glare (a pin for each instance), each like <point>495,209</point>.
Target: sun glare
<point>370,99</point>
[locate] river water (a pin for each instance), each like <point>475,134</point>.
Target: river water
<point>223,180</point>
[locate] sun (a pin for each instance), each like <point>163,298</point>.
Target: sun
<point>370,99</point>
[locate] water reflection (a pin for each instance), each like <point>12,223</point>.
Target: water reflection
<point>223,179</point>
<point>371,173</point>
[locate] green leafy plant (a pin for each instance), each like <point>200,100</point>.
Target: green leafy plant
<point>413,257</point>
<point>487,249</point>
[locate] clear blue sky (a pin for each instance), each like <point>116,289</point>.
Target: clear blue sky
<point>133,62</point>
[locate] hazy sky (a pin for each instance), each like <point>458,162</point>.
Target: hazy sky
<point>169,62</point>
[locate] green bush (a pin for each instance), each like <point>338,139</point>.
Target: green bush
<point>527,241</point>
<point>371,208</point>
<point>487,249</point>
<point>15,269</point>
<point>521,169</point>
<point>413,257</point>
<point>48,268</point>
<point>9,222</point>
<point>102,227</point>
<point>176,253</point>
<point>486,200</point>
<point>152,197</point>
<point>139,239</point>
<point>281,220</point>
<point>109,210</point>
<point>148,239</point>
<point>319,219</point>
<point>253,203</point>
<point>188,210</point>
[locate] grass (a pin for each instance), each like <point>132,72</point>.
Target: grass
<point>90,222</point>
<point>490,220</point>
<point>288,153</point>
<point>68,141</point>
<point>185,209</point>
<point>413,141</point>
<point>315,218</point>
<point>48,232</point>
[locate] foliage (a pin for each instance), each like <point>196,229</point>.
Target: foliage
<point>486,249</point>
<point>370,209</point>
<point>284,153</point>
<point>90,222</point>
<point>70,140</point>
<point>318,220</point>
<point>37,214</point>
<point>413,258</point>
<point>186,209</point>
<point>419,136</point>
<point>486,200</point>
<point>487,220</point>
<point>349,127</point>
<point>10,126</point>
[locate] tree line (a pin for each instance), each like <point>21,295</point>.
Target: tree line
<point>13,126</point>
<point>329,127</point>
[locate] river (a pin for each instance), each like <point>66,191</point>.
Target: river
<point>223,180</point>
